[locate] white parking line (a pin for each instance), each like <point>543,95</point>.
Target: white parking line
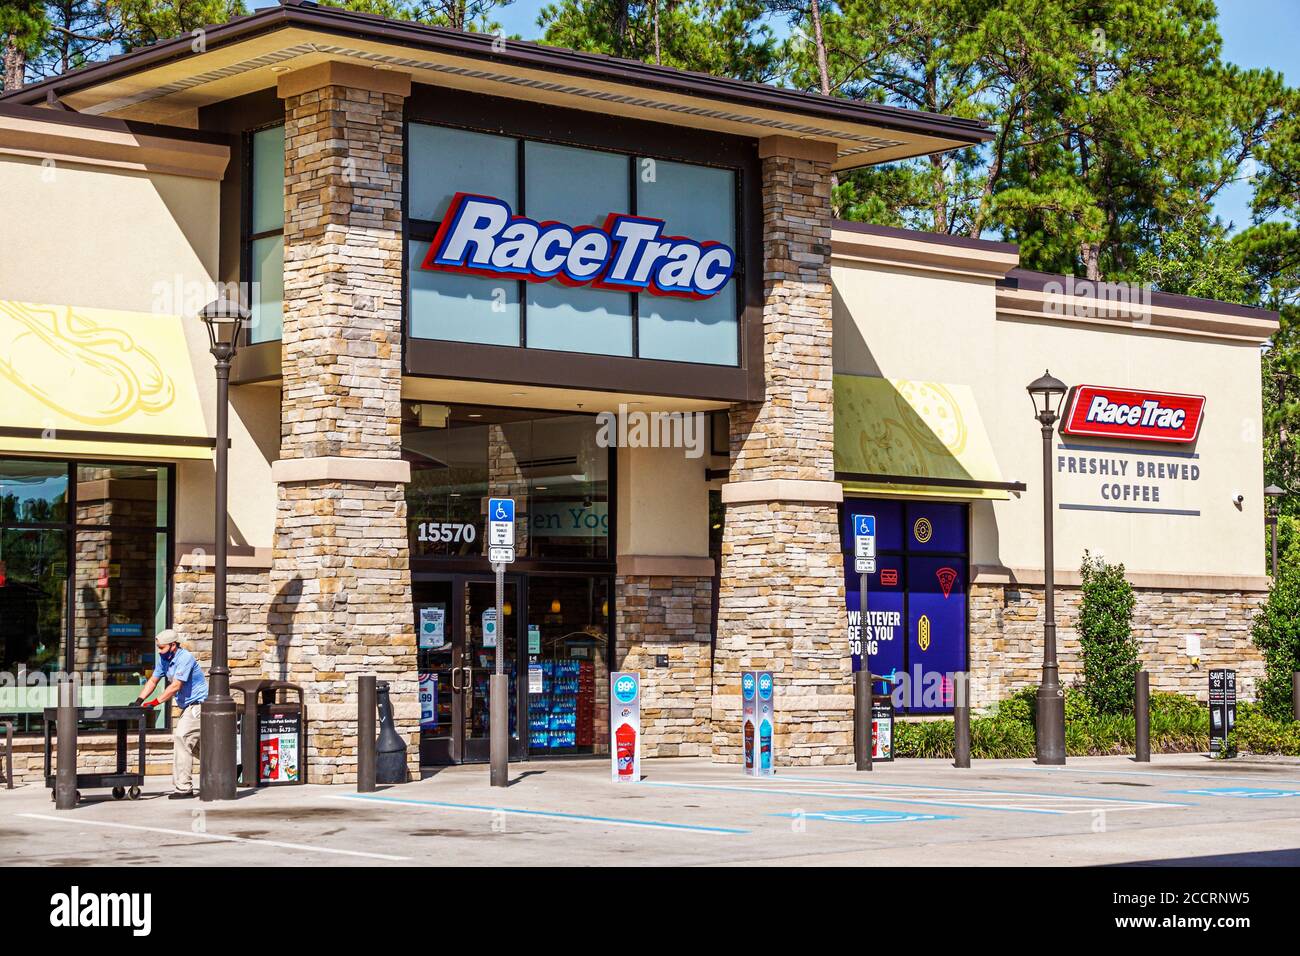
<point>216,837</point>
<point>971,799</point>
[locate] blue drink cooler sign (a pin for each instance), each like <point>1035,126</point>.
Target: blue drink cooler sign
<point>758,721</point>
<point>625,726</point>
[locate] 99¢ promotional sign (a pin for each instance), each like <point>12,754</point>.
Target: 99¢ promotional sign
<point>625,726</point>
<point>758,721</point>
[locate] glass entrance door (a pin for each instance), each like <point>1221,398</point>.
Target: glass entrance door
<point>483,639</point>
<point>458,641</point>
<point>440,658</point>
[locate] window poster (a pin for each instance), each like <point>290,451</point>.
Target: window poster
<point>433,627</point>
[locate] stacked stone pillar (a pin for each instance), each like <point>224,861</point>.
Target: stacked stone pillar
<point>340,567</point>
<point>781,594</point>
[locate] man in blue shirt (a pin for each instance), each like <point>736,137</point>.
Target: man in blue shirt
<point>183,679</point>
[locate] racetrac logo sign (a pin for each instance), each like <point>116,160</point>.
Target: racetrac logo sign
<point>480,235</point>
<point>1134,414</point>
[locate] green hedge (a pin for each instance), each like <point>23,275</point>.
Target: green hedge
<point>1178,725</point>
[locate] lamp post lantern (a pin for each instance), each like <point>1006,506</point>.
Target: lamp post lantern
<point>1272,496</point>
<point>225,320</point>
<point>1047,393</point>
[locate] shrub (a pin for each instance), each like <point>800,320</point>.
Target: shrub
<point>1257,733</point>
<point>1110,652</point>
<point>1276,632</point>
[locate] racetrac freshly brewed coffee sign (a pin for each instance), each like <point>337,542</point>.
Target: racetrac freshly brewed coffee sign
<point>1134,414</point>
<point>480,235</point>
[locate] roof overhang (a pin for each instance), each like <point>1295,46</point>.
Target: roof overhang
<point>168,81</point>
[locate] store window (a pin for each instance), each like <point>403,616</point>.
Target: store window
<point>83,579</point>
<point>579,187</point>
<point>549,463</point>
<point>568,639</point>
<point>915,632</point>
<point>264,236</point>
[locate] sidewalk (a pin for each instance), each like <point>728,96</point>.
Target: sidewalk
<point>1097,810</point>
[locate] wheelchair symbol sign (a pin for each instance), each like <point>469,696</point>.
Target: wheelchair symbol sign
<point>501,522</point>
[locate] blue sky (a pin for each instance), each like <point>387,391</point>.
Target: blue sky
<point>1256,33</point>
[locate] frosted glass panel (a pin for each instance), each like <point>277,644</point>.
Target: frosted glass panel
<point>442,162</point>
<point>267,311</point>
<point>698,202</point>
<point>575,186</point>
<point>578,187</point>
<point>694,201</point>
<point>685,330</point>
<point>463,308</point>
<point>268,179</point>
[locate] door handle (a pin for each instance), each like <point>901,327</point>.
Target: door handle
<point>455,685</point>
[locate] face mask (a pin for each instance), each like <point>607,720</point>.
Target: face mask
<point>169,655</point>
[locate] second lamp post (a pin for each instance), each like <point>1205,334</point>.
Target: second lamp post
<point>1047,393</point>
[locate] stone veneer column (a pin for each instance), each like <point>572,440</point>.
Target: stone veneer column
<point>665,607</point>
<point>781,594</point>
<point>340,565</point>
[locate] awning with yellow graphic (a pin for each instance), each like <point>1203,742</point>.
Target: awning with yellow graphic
<point>903,437</point>
<point>81,381</point>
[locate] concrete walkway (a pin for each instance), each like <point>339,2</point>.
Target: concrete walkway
<point>1096,810</point>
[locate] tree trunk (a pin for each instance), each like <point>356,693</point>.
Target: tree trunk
<point>658,58</point>
<point>823,73</point>
<point>1090,252</point>
<point>15,64</point>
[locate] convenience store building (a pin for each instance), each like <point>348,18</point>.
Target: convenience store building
<point>462,255</point>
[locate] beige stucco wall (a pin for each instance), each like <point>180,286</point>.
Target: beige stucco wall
<point>663,503</point>
<point>102,237</point>
<point>907,323</point>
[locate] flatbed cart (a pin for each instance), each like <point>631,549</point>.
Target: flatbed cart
<point>122,782</point>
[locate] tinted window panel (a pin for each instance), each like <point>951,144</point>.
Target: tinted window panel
<point>442,162</point>
<point>268,179</point>
<point>463,308</point>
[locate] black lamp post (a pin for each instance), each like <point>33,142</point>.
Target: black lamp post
<point>1047,394</point>
<point>224,320</point>
<point>1272,494</point>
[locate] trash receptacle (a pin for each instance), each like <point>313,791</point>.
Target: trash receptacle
<point>272,733</point>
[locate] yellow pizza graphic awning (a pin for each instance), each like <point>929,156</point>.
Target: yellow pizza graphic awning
<point>913,438</point>
<point>99,382</point>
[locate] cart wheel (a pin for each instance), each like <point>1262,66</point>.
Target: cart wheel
<point>134,793</point>
<point>119,793</point>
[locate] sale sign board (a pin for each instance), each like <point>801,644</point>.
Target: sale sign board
<point>758,721</point>
<point>1134,414</point>
<point>625,726</point>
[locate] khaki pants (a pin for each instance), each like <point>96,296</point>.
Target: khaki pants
<point>185,738</point>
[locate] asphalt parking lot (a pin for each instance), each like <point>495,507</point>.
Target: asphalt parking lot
<point>1183,810</point>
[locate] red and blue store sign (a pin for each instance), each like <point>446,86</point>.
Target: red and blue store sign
<point>915,631</point>
<point>1135,414</point>
<point>481,235</point>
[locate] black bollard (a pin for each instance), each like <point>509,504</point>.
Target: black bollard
<point>862,741</point>
<point>1142,718</point>
<point>65,774</point>
<point>390,761</point>
<point>366,734</point>
<point>961,719</point>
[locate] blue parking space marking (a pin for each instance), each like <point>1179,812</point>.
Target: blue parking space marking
<point>546,814</point>
<point>1254,793</point>
<point>865,815</point>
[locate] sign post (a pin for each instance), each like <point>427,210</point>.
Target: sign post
<point>1223,711</point>
<point>864,562</point>
<point>501,551</point>
<point>625,726</point>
